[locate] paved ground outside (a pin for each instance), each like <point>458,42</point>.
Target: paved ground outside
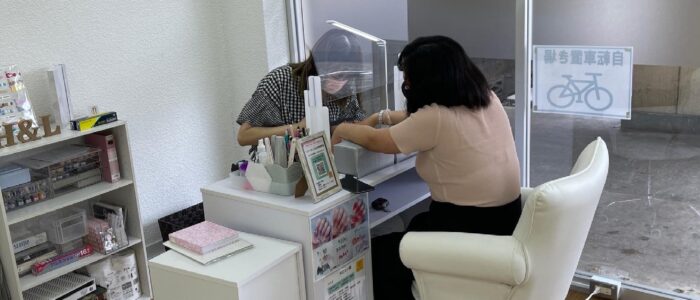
<point>647,226</point>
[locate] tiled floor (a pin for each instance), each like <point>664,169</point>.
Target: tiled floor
<point>647,226</point>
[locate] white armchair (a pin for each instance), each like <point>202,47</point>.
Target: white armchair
<point>537,262</point>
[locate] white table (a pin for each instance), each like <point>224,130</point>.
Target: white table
<point>227,203</point>
<point>272,270</point>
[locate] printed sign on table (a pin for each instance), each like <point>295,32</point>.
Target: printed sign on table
<point>347,283</point>
<point>580,80</point>
<point>339,235</point>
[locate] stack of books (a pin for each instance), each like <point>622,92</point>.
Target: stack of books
<point>31,249</point>
<point>204,237</point>
<point>27,258</point>
<point>206,242</point>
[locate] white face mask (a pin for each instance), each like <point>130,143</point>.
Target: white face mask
<point>333,86</point>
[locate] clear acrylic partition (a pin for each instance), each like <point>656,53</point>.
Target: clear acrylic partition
<point>646,230</point>
<point>358,67</point>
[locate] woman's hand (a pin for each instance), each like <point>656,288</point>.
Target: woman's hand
<point>369,121</point>
<point>300,124</point>
<point>249,135</point>
<point>375,140</point>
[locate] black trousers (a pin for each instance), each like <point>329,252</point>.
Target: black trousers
<point>392,280</point>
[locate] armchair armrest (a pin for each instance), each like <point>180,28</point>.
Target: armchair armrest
<point>525,193</point>
<point>479,256</point>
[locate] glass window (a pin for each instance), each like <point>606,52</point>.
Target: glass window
<point>486,30</point>
<point>647,226</point>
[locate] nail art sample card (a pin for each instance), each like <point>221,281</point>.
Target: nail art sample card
<point>339,235</point>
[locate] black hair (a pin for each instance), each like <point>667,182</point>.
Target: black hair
<point>334,46</point>
<point>438,70</point>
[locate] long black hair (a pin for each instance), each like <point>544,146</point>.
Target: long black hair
<point>437,70</point>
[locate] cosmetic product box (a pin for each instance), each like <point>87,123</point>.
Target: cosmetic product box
<point>93,121</point>
<point>13,174</point>
<point>108,155</point>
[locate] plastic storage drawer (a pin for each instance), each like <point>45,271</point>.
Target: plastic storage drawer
<point>65,226</point>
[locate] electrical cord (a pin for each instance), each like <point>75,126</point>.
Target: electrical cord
<point>595,292</point>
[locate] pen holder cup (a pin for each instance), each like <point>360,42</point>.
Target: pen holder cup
<point>274,179</point>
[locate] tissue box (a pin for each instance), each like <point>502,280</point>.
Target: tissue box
<point>353,159</point>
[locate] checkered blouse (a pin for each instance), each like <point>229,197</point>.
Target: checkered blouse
<point>277,101</point>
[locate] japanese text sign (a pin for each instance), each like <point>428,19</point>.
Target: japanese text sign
<point>592,81</point>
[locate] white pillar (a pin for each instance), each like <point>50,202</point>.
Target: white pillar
<point>523,83</point>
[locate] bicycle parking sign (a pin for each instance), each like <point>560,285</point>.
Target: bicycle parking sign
<point>583,80</point>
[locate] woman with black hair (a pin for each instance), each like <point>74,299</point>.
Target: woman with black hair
<point>466,153</point>
<point>278,101</point>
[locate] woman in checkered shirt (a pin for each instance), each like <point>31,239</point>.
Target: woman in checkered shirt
<point>278,101</point>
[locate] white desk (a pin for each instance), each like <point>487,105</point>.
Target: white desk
<point>403,192</point>
<point>227,203</point>
<point>272,270</point>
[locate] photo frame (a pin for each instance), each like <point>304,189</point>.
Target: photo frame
<point>318,165</point>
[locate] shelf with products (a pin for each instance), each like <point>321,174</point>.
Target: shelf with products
<point>30,281</point>
<point>65,135</point>
<point>66,200</point>
<point>119,190</point>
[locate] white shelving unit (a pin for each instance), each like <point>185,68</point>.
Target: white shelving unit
<point>122,193</point>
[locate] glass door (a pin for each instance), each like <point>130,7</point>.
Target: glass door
<point>646,231</point>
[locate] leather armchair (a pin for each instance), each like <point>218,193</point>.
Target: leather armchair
<point>537,262</point>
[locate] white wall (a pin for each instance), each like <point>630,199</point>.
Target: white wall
<point>277,39</point>
<point>178,71</point>
<point>386,19</point>
<point>663,32</point>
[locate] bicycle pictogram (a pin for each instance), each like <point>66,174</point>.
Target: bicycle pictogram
<point>596,97</point>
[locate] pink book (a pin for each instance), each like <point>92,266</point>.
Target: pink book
<point>204,237</point>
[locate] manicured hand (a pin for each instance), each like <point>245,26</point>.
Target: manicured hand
<point>358,215</point>
<point>322,233</point>
<point>341,221</point>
